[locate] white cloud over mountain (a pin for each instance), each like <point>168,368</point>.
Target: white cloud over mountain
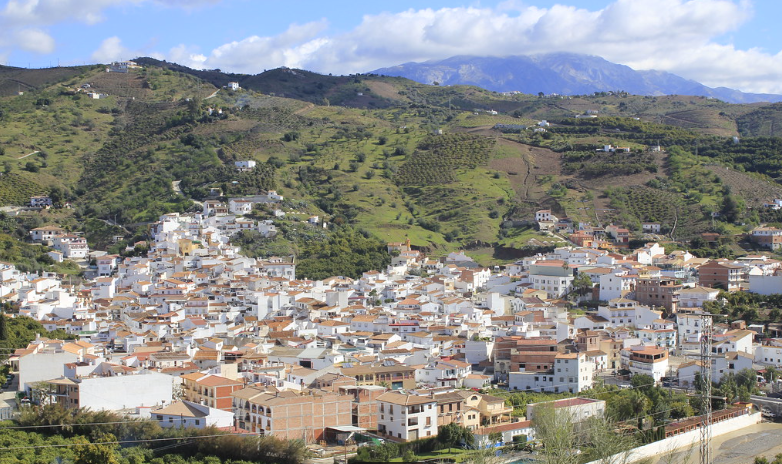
<point>685,37</point>
<point>669,35</point>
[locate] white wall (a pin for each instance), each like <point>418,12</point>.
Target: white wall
<point>125,391</point>
<point>765,285</point>
<point>42,366</point>
<point>477,351</point>
<point>399,429</point>
<point>685,440</point>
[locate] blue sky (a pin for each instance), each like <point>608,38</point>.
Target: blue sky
<point>732,43</point>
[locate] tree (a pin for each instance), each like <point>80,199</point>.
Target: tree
<point>99,451</point>
<point>582,284</point>
<point>453,434</point>
<point>556,429</point>
<point>3,326</point>
<point>495,437</point>
<point>642,382</point>
<point>771,374</point>
<point>605,444</point>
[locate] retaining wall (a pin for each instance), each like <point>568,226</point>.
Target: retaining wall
<point>683,440</point>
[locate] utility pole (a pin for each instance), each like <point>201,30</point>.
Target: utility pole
<point>706,332</point>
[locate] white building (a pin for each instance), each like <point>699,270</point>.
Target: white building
<point>239,206</point>
<point>71,246</point>
<point>629,313</point>
<point>733,340</point>
<point>244,165</point>
<point>545,215</point>
<point>765,284</point>
<point>572,372</point>
<point>616,285</point>
<point>43,365</point>
<point>555,279</point>
<point>695,297</point>
<point>663,338</point>
<point>116,392</point>
<point>406,417</point>
<point>191,415</point>
<point>45,233</point>
<point>649,360</point>
<point>769,353</point>
<point>580,409</point>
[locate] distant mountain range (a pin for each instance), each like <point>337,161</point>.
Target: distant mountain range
<point>561,73</point>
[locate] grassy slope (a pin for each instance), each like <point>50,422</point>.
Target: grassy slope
<point>516,180</point>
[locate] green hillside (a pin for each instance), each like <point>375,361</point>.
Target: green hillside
<point>388,156</point>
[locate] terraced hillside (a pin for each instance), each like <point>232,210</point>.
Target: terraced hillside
<point>388,156</point>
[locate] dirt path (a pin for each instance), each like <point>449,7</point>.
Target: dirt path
<point>29,154</point>
<point>304,110</point>
<point>213,94</point>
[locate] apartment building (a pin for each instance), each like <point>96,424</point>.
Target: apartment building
<point>407,417</point>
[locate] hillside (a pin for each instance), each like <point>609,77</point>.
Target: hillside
<point>394,158</point>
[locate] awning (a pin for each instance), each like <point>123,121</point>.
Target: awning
<point>347,428</point>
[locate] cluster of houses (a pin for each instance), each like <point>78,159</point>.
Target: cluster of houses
<point>66,245</point>
<point>586,235</point>
<point>196,334</point>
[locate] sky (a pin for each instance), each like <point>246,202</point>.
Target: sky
<point>730,43</point>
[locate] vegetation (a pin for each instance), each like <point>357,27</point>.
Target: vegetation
<point>438,157</point>
<point>597,164</point>
<point>347,252</point>
<point>98,440</point>
<point>565,438</point>
<point>764,460</point>
<point>751,307</point>
<point>399,160</point>
<point>21,330</point>
<point>450,442</point>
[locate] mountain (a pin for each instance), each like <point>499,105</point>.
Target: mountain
<point>561,73</point>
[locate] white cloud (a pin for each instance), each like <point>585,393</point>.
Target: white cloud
<point>34,40</point>
<point>111,49</point>
<point>23,22</point>
<point>293,48</point>
<point>187,56</point>
<point>47,12</point>
<point>669,35</point>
